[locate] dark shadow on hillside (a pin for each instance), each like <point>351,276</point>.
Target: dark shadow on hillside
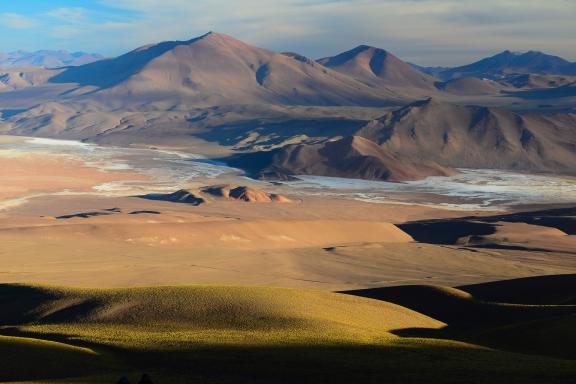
<point>455,308</point>
<point>446,232</point>
<point>450,231</point>
<point>539,290</point>
<point>276,131</point>
<point>399,362</point>
<point>548,93</point>
<point>532,315</point>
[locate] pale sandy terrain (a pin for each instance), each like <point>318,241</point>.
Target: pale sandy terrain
<point>322,244</point>
<point>24,175</point>
<point>93,240</point>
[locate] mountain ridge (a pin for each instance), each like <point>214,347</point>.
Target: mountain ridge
<point>477,136</point>
<point>506,63</point>
<point>46,59</point>
<point>349,157</point>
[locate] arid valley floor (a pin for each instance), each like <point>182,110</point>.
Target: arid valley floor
<point>329,285</point>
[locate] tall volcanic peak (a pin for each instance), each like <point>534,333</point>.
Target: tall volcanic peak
<point>217,69</point>
<point>377,66</point>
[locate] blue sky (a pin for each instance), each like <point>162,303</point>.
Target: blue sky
<point>434,32</point>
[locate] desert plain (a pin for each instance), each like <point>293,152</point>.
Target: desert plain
<point>323,285</point>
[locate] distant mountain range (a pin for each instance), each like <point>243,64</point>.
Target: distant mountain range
<point>506,63</point>
<point>365,63</point>
<point>363,113</point>
<point>46,59</point>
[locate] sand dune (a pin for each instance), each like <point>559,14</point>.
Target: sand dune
<point>225,234</point>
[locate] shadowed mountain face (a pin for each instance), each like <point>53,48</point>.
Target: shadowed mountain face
<point>477,137</point>
<point>46,59</point>
<point>509,62</point>
<point>217,69</point>
<point>353,157</point>
<point>379,68</point>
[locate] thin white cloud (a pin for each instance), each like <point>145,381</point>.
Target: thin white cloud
<point>430,31</point>
<point>17,21</point>
<point>74,15</point>
<point>424,31</point>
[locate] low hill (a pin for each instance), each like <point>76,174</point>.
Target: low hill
<point>247,335</point>
<point>211,309</point>
<point>224,192</point>
<point>351,157</point>
<point>26,359</point>
<point>467,86</point>
<point>243,193</point>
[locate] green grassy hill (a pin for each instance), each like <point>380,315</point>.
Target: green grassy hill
<point>241,335</point>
